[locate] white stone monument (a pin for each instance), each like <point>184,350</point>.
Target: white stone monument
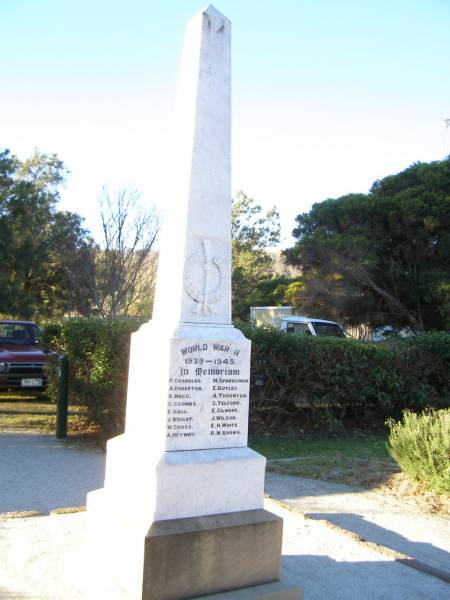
<point>181,512</point>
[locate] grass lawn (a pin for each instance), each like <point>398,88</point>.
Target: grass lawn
<point>23,412</point>
<point>360,447</point>
<point>361,460</point>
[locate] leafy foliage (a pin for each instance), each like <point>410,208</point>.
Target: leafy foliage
<point>39,246</point>
<point>304,382</point>
<point>382,257</point>
<point>252,233</point>
<point>297,382</point>
<point>421,446</point>
<point>275,291</point>
<point>51,266</point>
<point>98,350</point>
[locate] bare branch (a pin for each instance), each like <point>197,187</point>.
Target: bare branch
<point>125,275</point>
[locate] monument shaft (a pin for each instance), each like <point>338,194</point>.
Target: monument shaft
<point>194,276</point>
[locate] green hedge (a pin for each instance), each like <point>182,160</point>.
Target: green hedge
<point>330,382</point>
<point>296,382</point>
<point>98,351</point>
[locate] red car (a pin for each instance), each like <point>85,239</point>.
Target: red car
<point>22,362</point>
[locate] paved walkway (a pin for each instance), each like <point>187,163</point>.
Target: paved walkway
<point>374,517</point>
<point>41,473</point>
<point>46,558</point>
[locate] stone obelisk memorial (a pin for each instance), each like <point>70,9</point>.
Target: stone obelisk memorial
<point>181,512</point>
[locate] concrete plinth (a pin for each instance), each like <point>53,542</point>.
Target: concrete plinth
<point>188,558</point>
<point>167,486</point>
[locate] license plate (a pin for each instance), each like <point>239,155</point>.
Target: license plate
<point>31,382</point>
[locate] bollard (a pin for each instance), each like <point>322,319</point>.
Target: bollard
<point>62,398</point>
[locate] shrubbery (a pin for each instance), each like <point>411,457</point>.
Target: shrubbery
<point>296,382</point>
<point>330,382</point>
<point>98,351</point>
<point>421,446</point>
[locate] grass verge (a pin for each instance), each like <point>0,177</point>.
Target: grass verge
<point>359,447</point>
<point>361,461</point>
<point>34,414</point>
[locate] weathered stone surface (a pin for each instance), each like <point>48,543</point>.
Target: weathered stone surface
<point>194,273</point>
<point>208,392</point>
<point>183,484</point>
<point>269,591</point>
<point>188,388</point>
<point>185,558</point>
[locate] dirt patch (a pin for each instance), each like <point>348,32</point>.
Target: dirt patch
<point>20,514</point>
<point>402,487</point>
<point>379,476</point>
<point>68,510</point>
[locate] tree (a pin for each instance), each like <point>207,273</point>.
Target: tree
<point>72,265</point>
<point>381,257</point>
<point>125,267</point>
<point>33,277</point>
<point>275,291</point>
<point>252,233</point>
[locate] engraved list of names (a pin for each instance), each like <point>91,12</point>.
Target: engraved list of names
<point>208,395</point>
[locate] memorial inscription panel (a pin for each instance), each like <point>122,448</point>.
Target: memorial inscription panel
<point>208,395</point>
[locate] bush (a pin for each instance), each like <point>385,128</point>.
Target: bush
<point>421,446</point>
<point>98,351</point>
<point>329,383</point>
<point>296,382</point>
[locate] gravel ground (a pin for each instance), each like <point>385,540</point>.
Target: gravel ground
<point>374,517</point>
<point>46,557</point>
<point>40,473</point>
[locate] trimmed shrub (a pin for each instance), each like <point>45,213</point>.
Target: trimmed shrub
<point>329,383</point>
<point>421,446</point>
<point>296,382</point>
<point>98,351</point>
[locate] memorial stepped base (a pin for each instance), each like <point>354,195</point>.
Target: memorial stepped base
<point>218,553</point>
<point>179,559</point>
<point>142,492</point>
<point>270,591</point>
<point>181,483</point>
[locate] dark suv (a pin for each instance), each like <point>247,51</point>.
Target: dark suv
<point>22,362</point>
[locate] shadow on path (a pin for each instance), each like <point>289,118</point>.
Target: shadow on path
<point>322,578</point>
<point>40,473</point>
<point>421,551</point>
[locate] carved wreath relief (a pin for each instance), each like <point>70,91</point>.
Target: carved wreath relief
<point>204,278</point>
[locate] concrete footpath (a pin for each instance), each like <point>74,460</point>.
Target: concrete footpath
<point>46,557</point>
<point>374,517</point>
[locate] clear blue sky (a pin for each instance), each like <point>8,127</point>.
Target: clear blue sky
<point>327,96</point>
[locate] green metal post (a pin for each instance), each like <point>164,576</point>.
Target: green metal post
<point>62,398</point>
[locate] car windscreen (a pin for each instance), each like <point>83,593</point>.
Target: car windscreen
<point>328,329</point>
<point>298,328</point>
<point>18,334</point>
